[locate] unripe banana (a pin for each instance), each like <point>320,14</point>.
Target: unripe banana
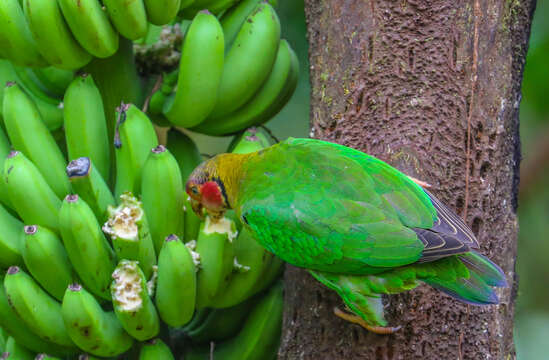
<point>35,307</point>
<point>163,195</point>
<point>155,349</point>
<point>216,249</point>
<point>176,284</point>
<point>221,324</point>
<point>54,79</point>
<point>188,157</point>
<point>134,138</point>
<point>16,40</point>
<point>89,252</point>
<point>185,4</point>
<point>47,260</point>
<point>132,305</point>
<point>234,18</point>
<point>90,186</point>
<point>251,140</point>
<point>3,339</point>
<point>272,271</point>
<point>53,37</point>
<point>253,258</point>
<point>249,61</point>
<point>129,17</point>
<point>17,328</point>
<point>16,351</point>
<point>85,124</point>
<point>90,26</point>
<point>197,88</point>
<point>29,193</point>
<point>190,10</point>
<point>10,246</point>
<point>129,231</point>
<point>220,6</point>
<point>161,12</point>
<point>265,103</point>
<point>92,329</point>
<point>5,149</point>
<point>28,134</point>
<point>259,338</point>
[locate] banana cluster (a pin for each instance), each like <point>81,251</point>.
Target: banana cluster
<point>234,72</point>
<point>109,259</point>
<point>68,33</point>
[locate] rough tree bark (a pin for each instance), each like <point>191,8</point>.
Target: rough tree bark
<point>433,88</point>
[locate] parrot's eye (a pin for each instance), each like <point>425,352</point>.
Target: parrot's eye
<point>194,190</point>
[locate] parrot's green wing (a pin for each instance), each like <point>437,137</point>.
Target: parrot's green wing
<point>327,207</point>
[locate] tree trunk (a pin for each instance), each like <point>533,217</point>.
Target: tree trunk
<point>433,88</point>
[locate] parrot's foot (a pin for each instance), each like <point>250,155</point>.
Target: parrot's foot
<point>358,320</point>
<point>423,184</point>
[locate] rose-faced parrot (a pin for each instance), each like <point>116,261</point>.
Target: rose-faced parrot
<point>358,225</point>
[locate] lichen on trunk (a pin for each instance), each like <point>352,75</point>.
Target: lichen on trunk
<point>433,88</point>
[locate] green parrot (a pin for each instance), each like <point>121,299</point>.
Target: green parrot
<point>358,225</point>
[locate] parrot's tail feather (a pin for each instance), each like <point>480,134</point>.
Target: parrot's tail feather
<point>489,272</point>
<point>472,291</point>
<point>476,288</point>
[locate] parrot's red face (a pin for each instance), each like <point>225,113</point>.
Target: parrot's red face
<point>208,195</point>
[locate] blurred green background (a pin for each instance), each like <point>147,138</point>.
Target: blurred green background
<point>532,315</point>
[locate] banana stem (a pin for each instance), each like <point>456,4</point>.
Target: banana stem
<point>118,81</point>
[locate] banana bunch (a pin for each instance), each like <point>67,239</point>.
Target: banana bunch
<point>234,72</point>
<point>68,33</point>
<point>105,258</point>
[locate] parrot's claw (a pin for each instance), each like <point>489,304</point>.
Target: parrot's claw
<point>358,320</point>
<point>423,184</point>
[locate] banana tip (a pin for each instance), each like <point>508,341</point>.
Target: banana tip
<point>205,11</point>
<point>13,154</point>
<point>75,287</point>
<point>13,270</point>
<point>171,237</point>
<point>30,229</point>
<point>71,198</point>
<point>159,149</point>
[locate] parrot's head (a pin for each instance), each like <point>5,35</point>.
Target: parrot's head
<point>206,188</point>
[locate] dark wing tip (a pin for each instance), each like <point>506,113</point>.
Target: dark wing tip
<point>439,245</point>
<point>452,225</point>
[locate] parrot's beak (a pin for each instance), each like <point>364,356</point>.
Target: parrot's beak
<point>197,208</point>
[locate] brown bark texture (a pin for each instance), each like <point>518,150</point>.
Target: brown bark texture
<point>432,88</point>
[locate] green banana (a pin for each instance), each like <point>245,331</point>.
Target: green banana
<point>47,260</point>
<point>54,79</point>
<point>3,338</point>
<point>190,10</point>
<point>10,253</point>
<point>85,124</point>
<point>163,195</point>
<point>188,157</point>
<point>129,231</point>
<point>53,37</point>
<point>220,6</point>
<point>49,107</point>
<point>221,324</point>
<point>38,310</point>
<point>132,304</point>
<point>266,102</point>
<point>259,338</point>
<point>90,327</point>
<point>253,258</point>
<point>185,4</point>
<point>176,285</point>
<point>272,271</point>
<point>28,134</point>
<point>249,61</point>
<point>200,72</point>
<point>29,193</point>
<point>89,252</point>
<point>155,349</point>
<point>161,12</point>
<point>216,249</point>
<point>90,26</point>
<point>17,328</point>
<point>134,138</point>
<point>129,17</point>
<point>250,140</point>
<point>16,40</point>
<point>5,149</point>
<point>90,186</point>
<point>234,18</point>
<point>16,351</point>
